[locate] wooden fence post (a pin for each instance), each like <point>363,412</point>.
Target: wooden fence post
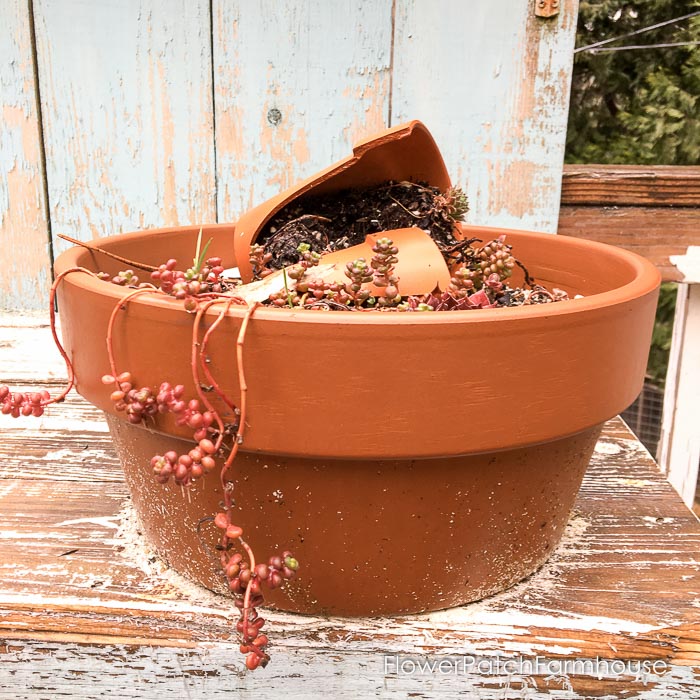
<point>679,448</point>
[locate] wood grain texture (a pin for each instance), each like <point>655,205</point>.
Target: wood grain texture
<point>24,242</point>
<point>128,120</point>
<point>653,211</point>
<point>296,84</point>
<point>19,341</point>
<point>87,609</point>
<point>491,81</point>
<point>631,185</point>
<point>679,451</point>
<point>657,233</point>
<point>126,92</point>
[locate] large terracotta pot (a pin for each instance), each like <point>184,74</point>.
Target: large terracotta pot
<point>412,461</point>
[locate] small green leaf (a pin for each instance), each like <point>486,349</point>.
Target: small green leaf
<point>200,260</point>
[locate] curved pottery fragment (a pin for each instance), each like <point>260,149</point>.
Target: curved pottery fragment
<point>420,268</point>
<point>406,152</point>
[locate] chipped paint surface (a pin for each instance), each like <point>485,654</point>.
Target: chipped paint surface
<point>296,84</point>
<point>688,264</point>
<point>128,120</point>
<point>123,670</point>
<point>24,246</point>
<point>495,93</point>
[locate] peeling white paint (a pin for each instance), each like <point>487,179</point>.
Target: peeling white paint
<point>128,120</point>
<point>297,84</point>
<point>688,264</point>
<point>516,622</point>
<point>106,522</point>
<point>72,602</point>
<point>607,448</point>
<point>492,83</point>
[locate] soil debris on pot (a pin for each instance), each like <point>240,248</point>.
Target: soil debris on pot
<point>339,220</point>
<point>297,238</point>
<point>393,247</point>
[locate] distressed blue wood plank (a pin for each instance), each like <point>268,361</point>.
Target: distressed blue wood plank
<point>127,102</point>
<point>127,98</point>
<point>297,83</point>
<point>24,248</point>
<point>492,82</point>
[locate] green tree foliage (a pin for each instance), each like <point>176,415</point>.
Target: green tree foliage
<point>639,105</point>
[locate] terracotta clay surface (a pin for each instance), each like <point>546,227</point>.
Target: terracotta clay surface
<point>408,385</point>
<point>362,425</point>
<point>374,537</point>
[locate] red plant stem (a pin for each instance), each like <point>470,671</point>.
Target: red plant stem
<point>240,341</point>
<point>52,316</point>
<point>201,310</point>
<point>244,390</point>
<point>118,307</point>
<point>197,357</point>
<point>97,249</point>
<point>246,597</point>
<point>203,351</point>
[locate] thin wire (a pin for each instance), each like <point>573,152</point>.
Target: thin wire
<point>637,31</point>
<point>645,46</point>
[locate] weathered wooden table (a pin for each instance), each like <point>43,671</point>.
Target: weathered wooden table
<point>87,610</point>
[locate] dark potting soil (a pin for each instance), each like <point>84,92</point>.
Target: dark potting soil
<point>342,219</point>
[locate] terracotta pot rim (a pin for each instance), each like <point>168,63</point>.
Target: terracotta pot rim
<point>499,363</point>
<point>646,279</point>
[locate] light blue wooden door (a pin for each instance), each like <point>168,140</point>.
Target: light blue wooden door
<point>163,112</point>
